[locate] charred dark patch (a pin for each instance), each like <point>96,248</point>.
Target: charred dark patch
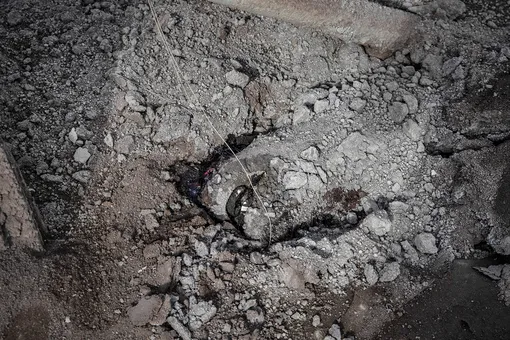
<point>345,199</point>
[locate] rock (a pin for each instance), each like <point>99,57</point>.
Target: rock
<point>357,104</point>
<point>452,8</point>
<point>412,102</point>
<point>398,112</point>
<point>82,176</point>
<point>377,223</point>
<point>316,321</point>
<point>237,78</point>
<point>14,17</point>
<point>81,155</point>
<point>351,218</point>
<point>335,332</point>
<point>124,145</point>
<point>310,154</point>
<point>201,248</point>
<point>135,101</point>
<point>320,106</point>
<point>200,313</point>
<point>73,136</point>
<point>425,243</point>
<point>412,130</point>
<point>389,272</point>
<point>108,140</point>
<point>392,86</point>
<point>450,65</point>
<point>370,274</point>
<point>459,73</point>
<point>294,180</point>
<point>255,316</point>
<point>433,63</point>
<point>301,114</point>
<point>409,70</point>
<point>149,310</point>
<point>181,330</point>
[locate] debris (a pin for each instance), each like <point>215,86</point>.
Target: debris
<point>377,223</point>
<point>389,272</point>
<point>426,243</point>
<point>237,78</point>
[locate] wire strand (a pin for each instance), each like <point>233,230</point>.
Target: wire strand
<point>192,96</point>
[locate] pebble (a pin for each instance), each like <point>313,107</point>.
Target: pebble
<point>316,321</point>
<point>177,326</point>
<point>108,140</point>
<point>392,86</point>
<point>82,176</point>
<point>426,243</point>
<point>412,102</point>
<point>370,274</point>
<point>294,180</point>
<point>310,154</point>
<point>450,65</point>
<point>135,101</point>
<point>73,136</point>
<point>124,144</point>
<point>201,248</point>
<point>378,223</point>
<point>81,155</point>
<point>412,130</point>
<point>357,104</point>
<point>398,112</point>
<point>320,105</point>
<point>237,78</point>
<point>255,316</point>
<point>335,332</point>
<point>389,272</point>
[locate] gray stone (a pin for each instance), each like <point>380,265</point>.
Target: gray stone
<point>82,176</point>
<point>412,102</point>
<point>409,70</point>
<point>357,104</point>
<point>433,63</point>
<point>412,130</point>
<point>321,105</point>
<point>124,144</point>
<point>378,223</point>
<point>73,136</point>
<point>310,154</point>
<point>237,78</point>
<point>181,330</point>
<point>351,218</point>
<point>425,243</point>
<point>81,155</point>
<point>316,321</point>
<point>370,274</point>
<point>459,73</point>
<point>398,112</point>
<point>452,8</point>
<point>301,114</point>
<point>294,180</point>
<point>14,17</point>
<point>389,272</point>
<point>135,101</point>
<point>392,86</point>
<point>335,332</point>
<point>450,65</point>
<point>201,248</point>
<point>108,140</point>
<point>255,316</point>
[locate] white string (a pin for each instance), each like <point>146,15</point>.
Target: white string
<point>191,95</point>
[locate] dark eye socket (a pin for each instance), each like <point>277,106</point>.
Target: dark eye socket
<point>240,196</point>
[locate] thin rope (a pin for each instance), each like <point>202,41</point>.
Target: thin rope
<point>192,96</point>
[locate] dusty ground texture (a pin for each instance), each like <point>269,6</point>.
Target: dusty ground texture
<point>386,181</point>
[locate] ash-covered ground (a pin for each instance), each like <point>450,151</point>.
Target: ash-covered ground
<point>387,182</point>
